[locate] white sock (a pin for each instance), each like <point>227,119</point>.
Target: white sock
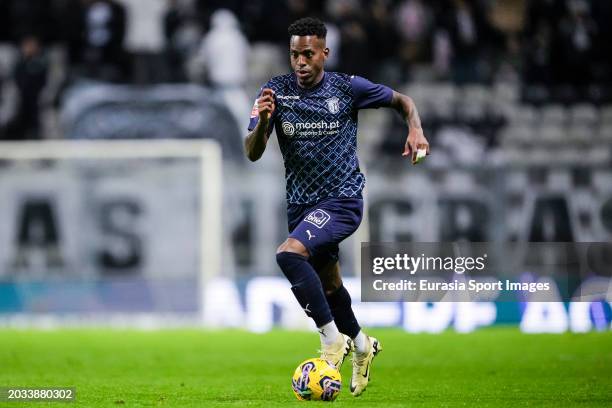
<point>361,342</point>
<point>329,333</point>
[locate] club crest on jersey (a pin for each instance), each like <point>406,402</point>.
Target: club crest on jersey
<point>318,218</point>
<point>333,104</point>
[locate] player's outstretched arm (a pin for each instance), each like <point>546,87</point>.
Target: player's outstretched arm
<point>416,139</point>
<point>256,141</point>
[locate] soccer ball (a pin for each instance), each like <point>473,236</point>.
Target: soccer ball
<point>316,379</point>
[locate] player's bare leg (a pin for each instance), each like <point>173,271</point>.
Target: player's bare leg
<point>292,256</point>
<point>366,347</point>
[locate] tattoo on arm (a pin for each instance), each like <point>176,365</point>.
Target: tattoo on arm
<point>414,121</point>
<point>406,107</point>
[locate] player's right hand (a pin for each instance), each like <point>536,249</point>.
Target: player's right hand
<point>265,104</point>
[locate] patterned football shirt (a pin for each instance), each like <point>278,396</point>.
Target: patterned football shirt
<point>317,133</point>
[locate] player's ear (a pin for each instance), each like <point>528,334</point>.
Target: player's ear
<point>326,52</point>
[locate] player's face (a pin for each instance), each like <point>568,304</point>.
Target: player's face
<point>308,55</point>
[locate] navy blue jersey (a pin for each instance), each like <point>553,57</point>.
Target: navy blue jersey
<point>317,133</point>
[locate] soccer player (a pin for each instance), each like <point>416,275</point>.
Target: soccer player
<point>315,116</point>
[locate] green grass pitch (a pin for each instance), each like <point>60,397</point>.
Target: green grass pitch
<point>194,368</point>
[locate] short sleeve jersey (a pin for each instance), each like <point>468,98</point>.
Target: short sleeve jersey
<point>317,133</point>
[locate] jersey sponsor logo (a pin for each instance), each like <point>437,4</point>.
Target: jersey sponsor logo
<point>318,218</point>
<point>318,125</point>
<point>288,97</point>
<point>333,104</point>
<point>288,128</point>
<point>321,128</point>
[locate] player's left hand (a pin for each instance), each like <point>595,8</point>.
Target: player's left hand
<point>416,141</point>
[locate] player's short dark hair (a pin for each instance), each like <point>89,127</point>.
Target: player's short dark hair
<point>308,26</point>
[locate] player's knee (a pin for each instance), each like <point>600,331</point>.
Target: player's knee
<point>286,260</point>
<point>294,246</point>
<point>282,259</point>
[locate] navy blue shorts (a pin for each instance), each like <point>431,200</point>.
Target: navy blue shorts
<point>322,226</point>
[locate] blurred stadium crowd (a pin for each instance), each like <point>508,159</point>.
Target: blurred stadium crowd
<point>515,97</point>
<point>473,65</point>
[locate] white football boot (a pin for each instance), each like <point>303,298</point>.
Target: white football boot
<point>336,353</point>
<point>362,363</point>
